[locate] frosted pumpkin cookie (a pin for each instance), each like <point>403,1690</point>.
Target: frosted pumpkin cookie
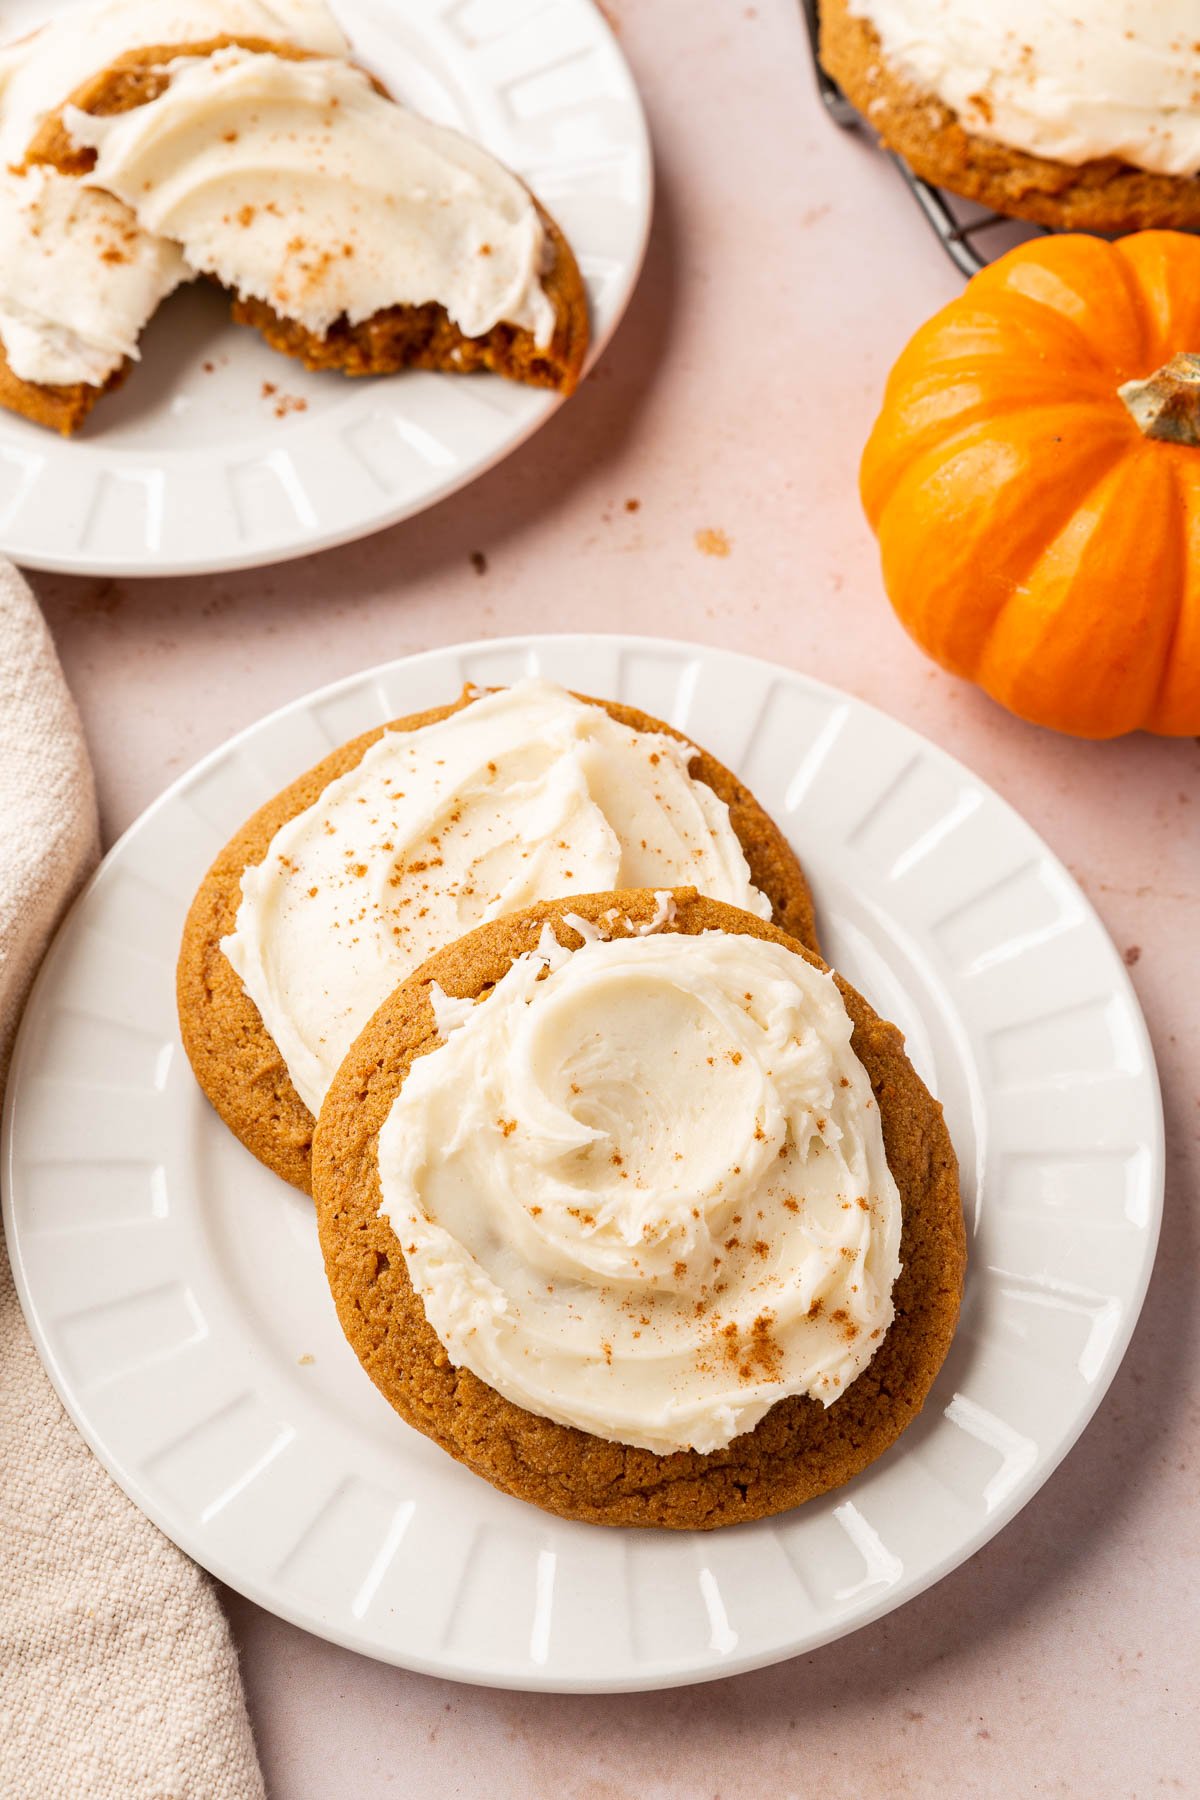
<point>411,835</point>
<point>1085,117</point>
<point>641,1213</point>
<point>354,234</point>
<point>79,278</point>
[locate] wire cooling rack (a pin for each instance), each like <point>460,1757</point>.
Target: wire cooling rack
<point>970,236</point>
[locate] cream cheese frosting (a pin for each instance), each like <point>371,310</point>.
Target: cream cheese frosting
<point>641,1187</point>
<point>297,184</point>
<point>78,279</point>
<point>525,792</point>
<point>40,71</point>
<point>1113,78</point>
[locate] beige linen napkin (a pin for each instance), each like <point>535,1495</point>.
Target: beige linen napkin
<point>117,1674</point>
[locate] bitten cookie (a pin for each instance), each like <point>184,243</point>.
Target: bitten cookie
<point>1102,193</point>
<point>800,1448</point>
<point>235,1059</point>
<point>79,280</point>
<point>233,124</point>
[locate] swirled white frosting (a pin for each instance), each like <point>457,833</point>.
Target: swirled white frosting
<point>526,792</point>
<point>39,72</point>
<point>78,279</point>
<point>646,1193</point>
<point>1058,79</point>
<point>296,184</point>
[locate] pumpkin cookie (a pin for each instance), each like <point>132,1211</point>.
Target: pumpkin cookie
<point>238,1063</point>
<point>983,147</point>
<point>78,279</point>
<point>798,1447</point>
<point>262,162</point>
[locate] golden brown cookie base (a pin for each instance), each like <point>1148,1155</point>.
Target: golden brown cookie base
<point>397,337</point>
<point>800,1449</point>
<point>425,337</point>
<point>61,409</point>
<point>1103,195</point>
<point>236,1061</point>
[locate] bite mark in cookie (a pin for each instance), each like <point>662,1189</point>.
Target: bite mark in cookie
<point>78,282</point>
<point>79,279</point>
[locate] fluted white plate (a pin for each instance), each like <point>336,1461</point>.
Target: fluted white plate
<point>175,1289</point>
<point>189,468</point>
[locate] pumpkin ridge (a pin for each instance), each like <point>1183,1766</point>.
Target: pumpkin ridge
<point>1069,502</point>
<point>1101,299</point>
<point>1002,407</point>
<point>1011,697</point>
<point>1021,316</point>
<point>962,650</point>
<point>1094,383</point>
<point>1136,294</point>
<point>949,442</point>
<point>1163,264</point>
<point>1180,514</point>
<point>1090,387</point>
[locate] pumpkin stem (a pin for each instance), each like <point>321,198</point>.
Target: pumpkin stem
<point>1166,405</point>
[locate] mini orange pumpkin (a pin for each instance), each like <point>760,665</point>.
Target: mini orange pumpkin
<point>1034,481</point>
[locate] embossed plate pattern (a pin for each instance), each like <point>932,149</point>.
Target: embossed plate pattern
<point>196,466</point>
<point>175,1288</point>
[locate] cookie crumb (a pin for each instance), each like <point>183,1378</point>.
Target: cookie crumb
<point>306,1360</point>
<point>712,542</point>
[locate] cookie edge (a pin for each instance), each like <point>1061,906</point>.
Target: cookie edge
<point>1104,194</point>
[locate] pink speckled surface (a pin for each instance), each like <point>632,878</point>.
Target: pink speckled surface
<point>786,270</point>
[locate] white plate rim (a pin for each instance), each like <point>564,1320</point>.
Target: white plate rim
<point>150,566</point>
<point>543,1680</point>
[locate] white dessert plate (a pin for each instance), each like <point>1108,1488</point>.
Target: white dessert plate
<point>218,453</point>
<point>175,1288</point>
